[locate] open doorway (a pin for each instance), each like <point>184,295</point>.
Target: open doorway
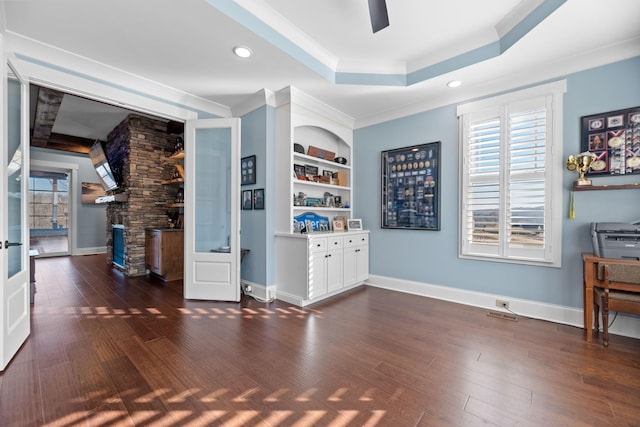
<point>49,212</point>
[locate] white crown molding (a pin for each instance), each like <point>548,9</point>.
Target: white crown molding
<point>82,76</point>
<point>253,102</point>
<point>501,83</point>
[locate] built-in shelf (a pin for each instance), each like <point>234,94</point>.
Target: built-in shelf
<point>605,187</point>
<point>321,184</point>
<point>178,155</point>
<point>319,208</point>
<point>306,157</point>
<point>173,181</point>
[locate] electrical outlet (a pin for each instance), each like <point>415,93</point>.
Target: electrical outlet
<point>501,303</point>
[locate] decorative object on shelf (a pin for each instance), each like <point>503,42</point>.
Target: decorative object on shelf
<point>299,171</point>
<point>247,200</point>
<point>338,225</point>
<point>248,170</point>
<point>320,153</point>
<point>258,199</point>
<point>178,173</point>
<point>343,220</point>
<point>300,199</point>
<point>581,163</point>
<point>329,201</point>
<point>411,187</point>
<point>337,201</point>
<point>310,171</point>
<point>614,138</point>
<point>179,145</point>
<point>315,202</point>
<point>340,160</point>
<point>354,224</point>
<point>179,196</point>
<point>310,222</point>
<point>341,178</point>
<point>297,148</point>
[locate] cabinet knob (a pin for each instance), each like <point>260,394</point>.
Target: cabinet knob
<point>350,241</point>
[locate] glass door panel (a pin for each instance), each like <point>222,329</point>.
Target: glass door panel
<point>212,192</point>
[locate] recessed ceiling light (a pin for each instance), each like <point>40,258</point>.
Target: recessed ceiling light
<point>242,51</point>
<point>454,83</point>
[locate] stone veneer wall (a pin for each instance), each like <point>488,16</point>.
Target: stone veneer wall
<point>143,144</point>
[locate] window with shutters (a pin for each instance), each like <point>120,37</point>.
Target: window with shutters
<point>511,182</point>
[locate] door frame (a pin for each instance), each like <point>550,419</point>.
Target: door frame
<point>72,170</point>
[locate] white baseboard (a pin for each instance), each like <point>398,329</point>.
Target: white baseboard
<point>91,251</point>
<point>260,292</point>
<point>624,325</point>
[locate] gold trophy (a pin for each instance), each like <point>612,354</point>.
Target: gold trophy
<point>581,163</point>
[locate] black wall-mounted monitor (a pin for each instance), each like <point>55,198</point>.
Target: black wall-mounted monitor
<point>103,169</point>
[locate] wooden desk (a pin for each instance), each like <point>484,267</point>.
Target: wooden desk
<point>590,279</point>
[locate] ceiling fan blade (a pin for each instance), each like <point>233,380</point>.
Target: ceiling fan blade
<point>379,16</point>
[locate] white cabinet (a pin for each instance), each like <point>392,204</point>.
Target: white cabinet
<point>303,120</point>
<point>313,267</point>
<point>356,259</point>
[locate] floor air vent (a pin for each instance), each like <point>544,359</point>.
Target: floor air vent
<point>505,316</point>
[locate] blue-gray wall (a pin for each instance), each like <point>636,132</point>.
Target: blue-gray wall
<point>258,138</point>
<point>91,219</point>
<point>432,257</point>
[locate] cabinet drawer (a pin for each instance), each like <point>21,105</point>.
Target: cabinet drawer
<point>356,240</point>
<point>317,244</point>
<point>334,243</point>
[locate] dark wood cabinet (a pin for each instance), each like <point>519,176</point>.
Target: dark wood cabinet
<point>164,253</point>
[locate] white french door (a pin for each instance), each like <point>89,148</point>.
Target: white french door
<point>14,237</point>
<point>212,209</point>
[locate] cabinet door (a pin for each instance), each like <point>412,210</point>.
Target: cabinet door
<point>317,274</point>
<point>350,266</point>
<point>154,251</point>
<point>362,263</point>
<point>334,270</point>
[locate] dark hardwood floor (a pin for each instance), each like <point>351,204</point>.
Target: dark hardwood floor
<point>110,351</point>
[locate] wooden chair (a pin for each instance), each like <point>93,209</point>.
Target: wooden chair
<point>620,291</point>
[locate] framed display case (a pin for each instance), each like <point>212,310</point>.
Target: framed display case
<point>411,187</point>
<point>248,170</point>
<point>614,137</point>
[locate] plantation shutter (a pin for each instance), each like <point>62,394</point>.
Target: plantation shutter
<point>504,184</point>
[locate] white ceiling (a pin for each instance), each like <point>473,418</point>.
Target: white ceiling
<point>308,44</point>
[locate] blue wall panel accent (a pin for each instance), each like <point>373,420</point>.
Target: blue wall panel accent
<point>432,257</point>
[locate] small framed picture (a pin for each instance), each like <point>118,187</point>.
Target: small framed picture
<point>310,171</point>
<point>258,199</point>
<point>248,170</point>
<point>354,224</point>
<point>247,200</point>
<point>299,171</point>
<point>338,225</point>
<point>327,173</point>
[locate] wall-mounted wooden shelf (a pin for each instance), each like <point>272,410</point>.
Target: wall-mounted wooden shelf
<point>178,155</point>
<point>605,187</point>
